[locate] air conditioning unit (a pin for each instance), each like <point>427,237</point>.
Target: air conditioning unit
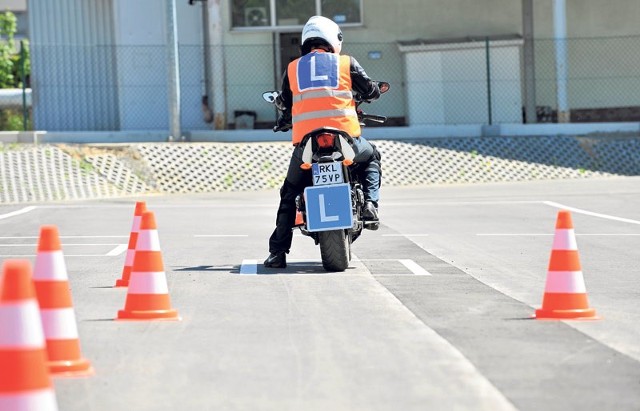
<point>255,16</point>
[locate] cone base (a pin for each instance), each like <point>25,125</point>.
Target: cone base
<point>70,368</point>
<point>167,315</point>
<point>578,314</point>
<point>122,283</point>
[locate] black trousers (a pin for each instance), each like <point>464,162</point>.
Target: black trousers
<point>367,162</point>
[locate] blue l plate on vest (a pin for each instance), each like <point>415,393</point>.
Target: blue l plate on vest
<point>328,207</point>
<point>318,70</point>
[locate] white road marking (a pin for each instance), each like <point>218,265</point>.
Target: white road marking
<point>449,203</point>
<point>220,235</point>
<point>549,235</point>
<point>604,234</point>
<point>17,212</point>
<point>168,206</point>
<point>121,248</point>
<point>590,213</point>
<point>414,267</point>
<point>510,234</point>
<point>68,236</point>
<point>249,267</point>
<point>34,255</point>
<point>94,236</point>
<point>410,264</point>
<point>63,244</point>
<point>405,235</point>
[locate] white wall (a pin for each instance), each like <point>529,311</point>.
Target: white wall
<point>140,33</point>
<point>447,83</point>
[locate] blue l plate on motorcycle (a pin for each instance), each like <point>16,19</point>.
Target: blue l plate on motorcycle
<point>328,207</point>
<point>327,173</point>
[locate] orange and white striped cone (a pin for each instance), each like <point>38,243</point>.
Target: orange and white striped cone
<point>56,307</point>
<point>141,207</point>
<point>25,383</point>
<point>148,294</point>
<point>565,294</point>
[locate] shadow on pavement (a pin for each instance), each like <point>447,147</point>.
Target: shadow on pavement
<point>299,267</point>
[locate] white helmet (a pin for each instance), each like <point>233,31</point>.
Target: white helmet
<point>319,27</point>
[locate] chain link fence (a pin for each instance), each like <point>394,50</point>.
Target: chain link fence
<point>603,83</point>
<point>106,88</point>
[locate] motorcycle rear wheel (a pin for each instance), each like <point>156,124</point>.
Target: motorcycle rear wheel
<point>335,249</point>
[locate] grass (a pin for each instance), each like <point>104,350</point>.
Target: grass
<point>12,120</point>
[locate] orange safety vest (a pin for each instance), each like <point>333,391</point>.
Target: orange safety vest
<point>321,86</point>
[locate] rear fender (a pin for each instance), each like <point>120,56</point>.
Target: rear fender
<point>345,142</point>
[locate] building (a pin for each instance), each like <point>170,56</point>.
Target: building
<point>102,65</point>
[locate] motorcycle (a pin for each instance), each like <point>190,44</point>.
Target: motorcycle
<point>330,211</point>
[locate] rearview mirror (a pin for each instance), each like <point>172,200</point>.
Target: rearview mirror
<point>384,86</point>
<point>270,96</point>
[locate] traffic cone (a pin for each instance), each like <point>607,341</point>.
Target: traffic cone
<point>141,207</point>
<point>148,294</point>
<point>25,383</point>
<point>565,294</point>
<point>56,308</point>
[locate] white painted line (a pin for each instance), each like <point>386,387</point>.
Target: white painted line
<point>94,236</point>
<point>414,267</point>
<point>405,235</point>
<point>464,203</point>
<point>121,248</point>
<point>273,205</point>
<point>220,235</point>
<point>249,267</point>
<point>549,235</point>
<point>18,212</point>
<point>68,236</point>
<point>511,235</point>
<point>63,245</point>
<point>66,255</point>
<point>590,213</point>
<point>612,235</point>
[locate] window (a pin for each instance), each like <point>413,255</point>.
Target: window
<point>294,12</point>
<point>257,14</point>
<point>342,11</point>
<point>250,13</point>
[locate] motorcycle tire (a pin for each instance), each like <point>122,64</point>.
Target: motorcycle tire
<point>335,249</point>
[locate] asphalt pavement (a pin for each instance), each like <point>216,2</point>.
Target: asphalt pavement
<point>434,312</point>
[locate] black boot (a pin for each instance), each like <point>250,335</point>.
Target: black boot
<point>370,212</point>
<point>276,260</point>
<point>370,216</point>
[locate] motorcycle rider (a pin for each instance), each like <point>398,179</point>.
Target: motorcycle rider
<point>317,91</point>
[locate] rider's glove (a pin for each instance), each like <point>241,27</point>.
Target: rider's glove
<point>279,103</point>
<point>284,122</point>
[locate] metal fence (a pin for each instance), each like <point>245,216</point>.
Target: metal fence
<point>107,88</point>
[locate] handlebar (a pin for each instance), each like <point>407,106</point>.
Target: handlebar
<point>271,96</point>
<point>372,117</point>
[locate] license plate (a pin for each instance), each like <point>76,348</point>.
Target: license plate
<point>327,173</point>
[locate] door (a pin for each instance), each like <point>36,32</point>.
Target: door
<point>289,51</point>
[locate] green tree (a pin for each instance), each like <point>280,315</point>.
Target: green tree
<point>12,65</point>
<point>8,27</point>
